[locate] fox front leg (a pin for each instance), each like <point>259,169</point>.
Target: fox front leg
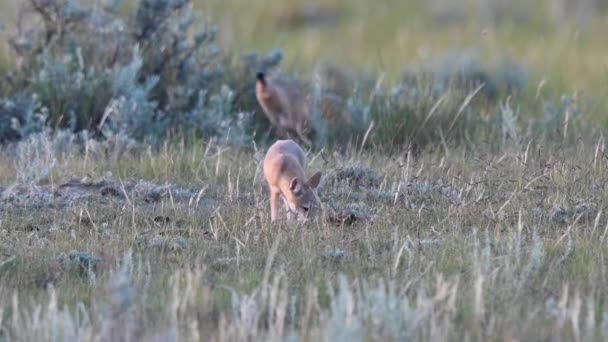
<point>274,205</point>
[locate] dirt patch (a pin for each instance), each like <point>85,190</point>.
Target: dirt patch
<point>102,190</point>
<point>349,214</point>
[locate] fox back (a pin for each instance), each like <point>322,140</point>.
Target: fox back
<point>284,172</point>
<point>290,110</point>
<point>284,103</point>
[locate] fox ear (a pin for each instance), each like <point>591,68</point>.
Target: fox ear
<point>294,186</point>
<point>315,180</point>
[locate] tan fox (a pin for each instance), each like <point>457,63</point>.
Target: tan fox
<point>290,110</point>
<point>285,105</point>
<point>284,172</point>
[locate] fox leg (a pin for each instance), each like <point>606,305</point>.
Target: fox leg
<point>304,138</point>
<point>301,133</point>
<point>274,205</point>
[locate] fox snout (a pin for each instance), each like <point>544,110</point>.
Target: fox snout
<point>302,214</point>
<point>310,213</point>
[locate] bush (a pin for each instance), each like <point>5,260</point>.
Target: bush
<point>20,116</point>
<point>455,100</point>
<point>413,113</point>
<point>149,74</point>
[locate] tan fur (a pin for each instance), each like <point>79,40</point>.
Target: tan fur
<point>333,110</point>
<point>289,110</point>
<point>284,172</point>
<point>285,105</point>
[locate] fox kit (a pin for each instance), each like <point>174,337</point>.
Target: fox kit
<point>284,172</point>
<point>284,104</point>
<point>290,111</point>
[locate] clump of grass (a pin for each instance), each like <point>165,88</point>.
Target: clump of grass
<point>35,159</point>
<point>93,69</point>
<point>353,175</point>
<point>453,102</point>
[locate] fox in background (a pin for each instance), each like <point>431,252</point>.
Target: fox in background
<point>290,110</point>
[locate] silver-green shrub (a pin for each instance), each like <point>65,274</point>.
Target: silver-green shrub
<point>151,74</point>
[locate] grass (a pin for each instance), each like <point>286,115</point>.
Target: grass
<point>461,245</point>
<point>497,241</point>
<point>396,35</point>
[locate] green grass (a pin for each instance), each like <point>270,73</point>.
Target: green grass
<point>471,244</point>
<point>477,242</point>
<point>395,35</point>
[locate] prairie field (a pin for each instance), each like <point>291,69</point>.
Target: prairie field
<point>465,200</point>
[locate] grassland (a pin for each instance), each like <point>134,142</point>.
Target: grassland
<point>559,46</point>
<point>106,241</point>
<point>565,50</point>
<point>178,246</point>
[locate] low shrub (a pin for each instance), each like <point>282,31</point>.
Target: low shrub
<point>154,72</point>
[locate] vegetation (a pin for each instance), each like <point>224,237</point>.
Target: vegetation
<point>465,199</point>
<point>451,244</point>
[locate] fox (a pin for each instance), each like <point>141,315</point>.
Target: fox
<point>285,105</point>
<point>283,169</point>
<point>289,110</point>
